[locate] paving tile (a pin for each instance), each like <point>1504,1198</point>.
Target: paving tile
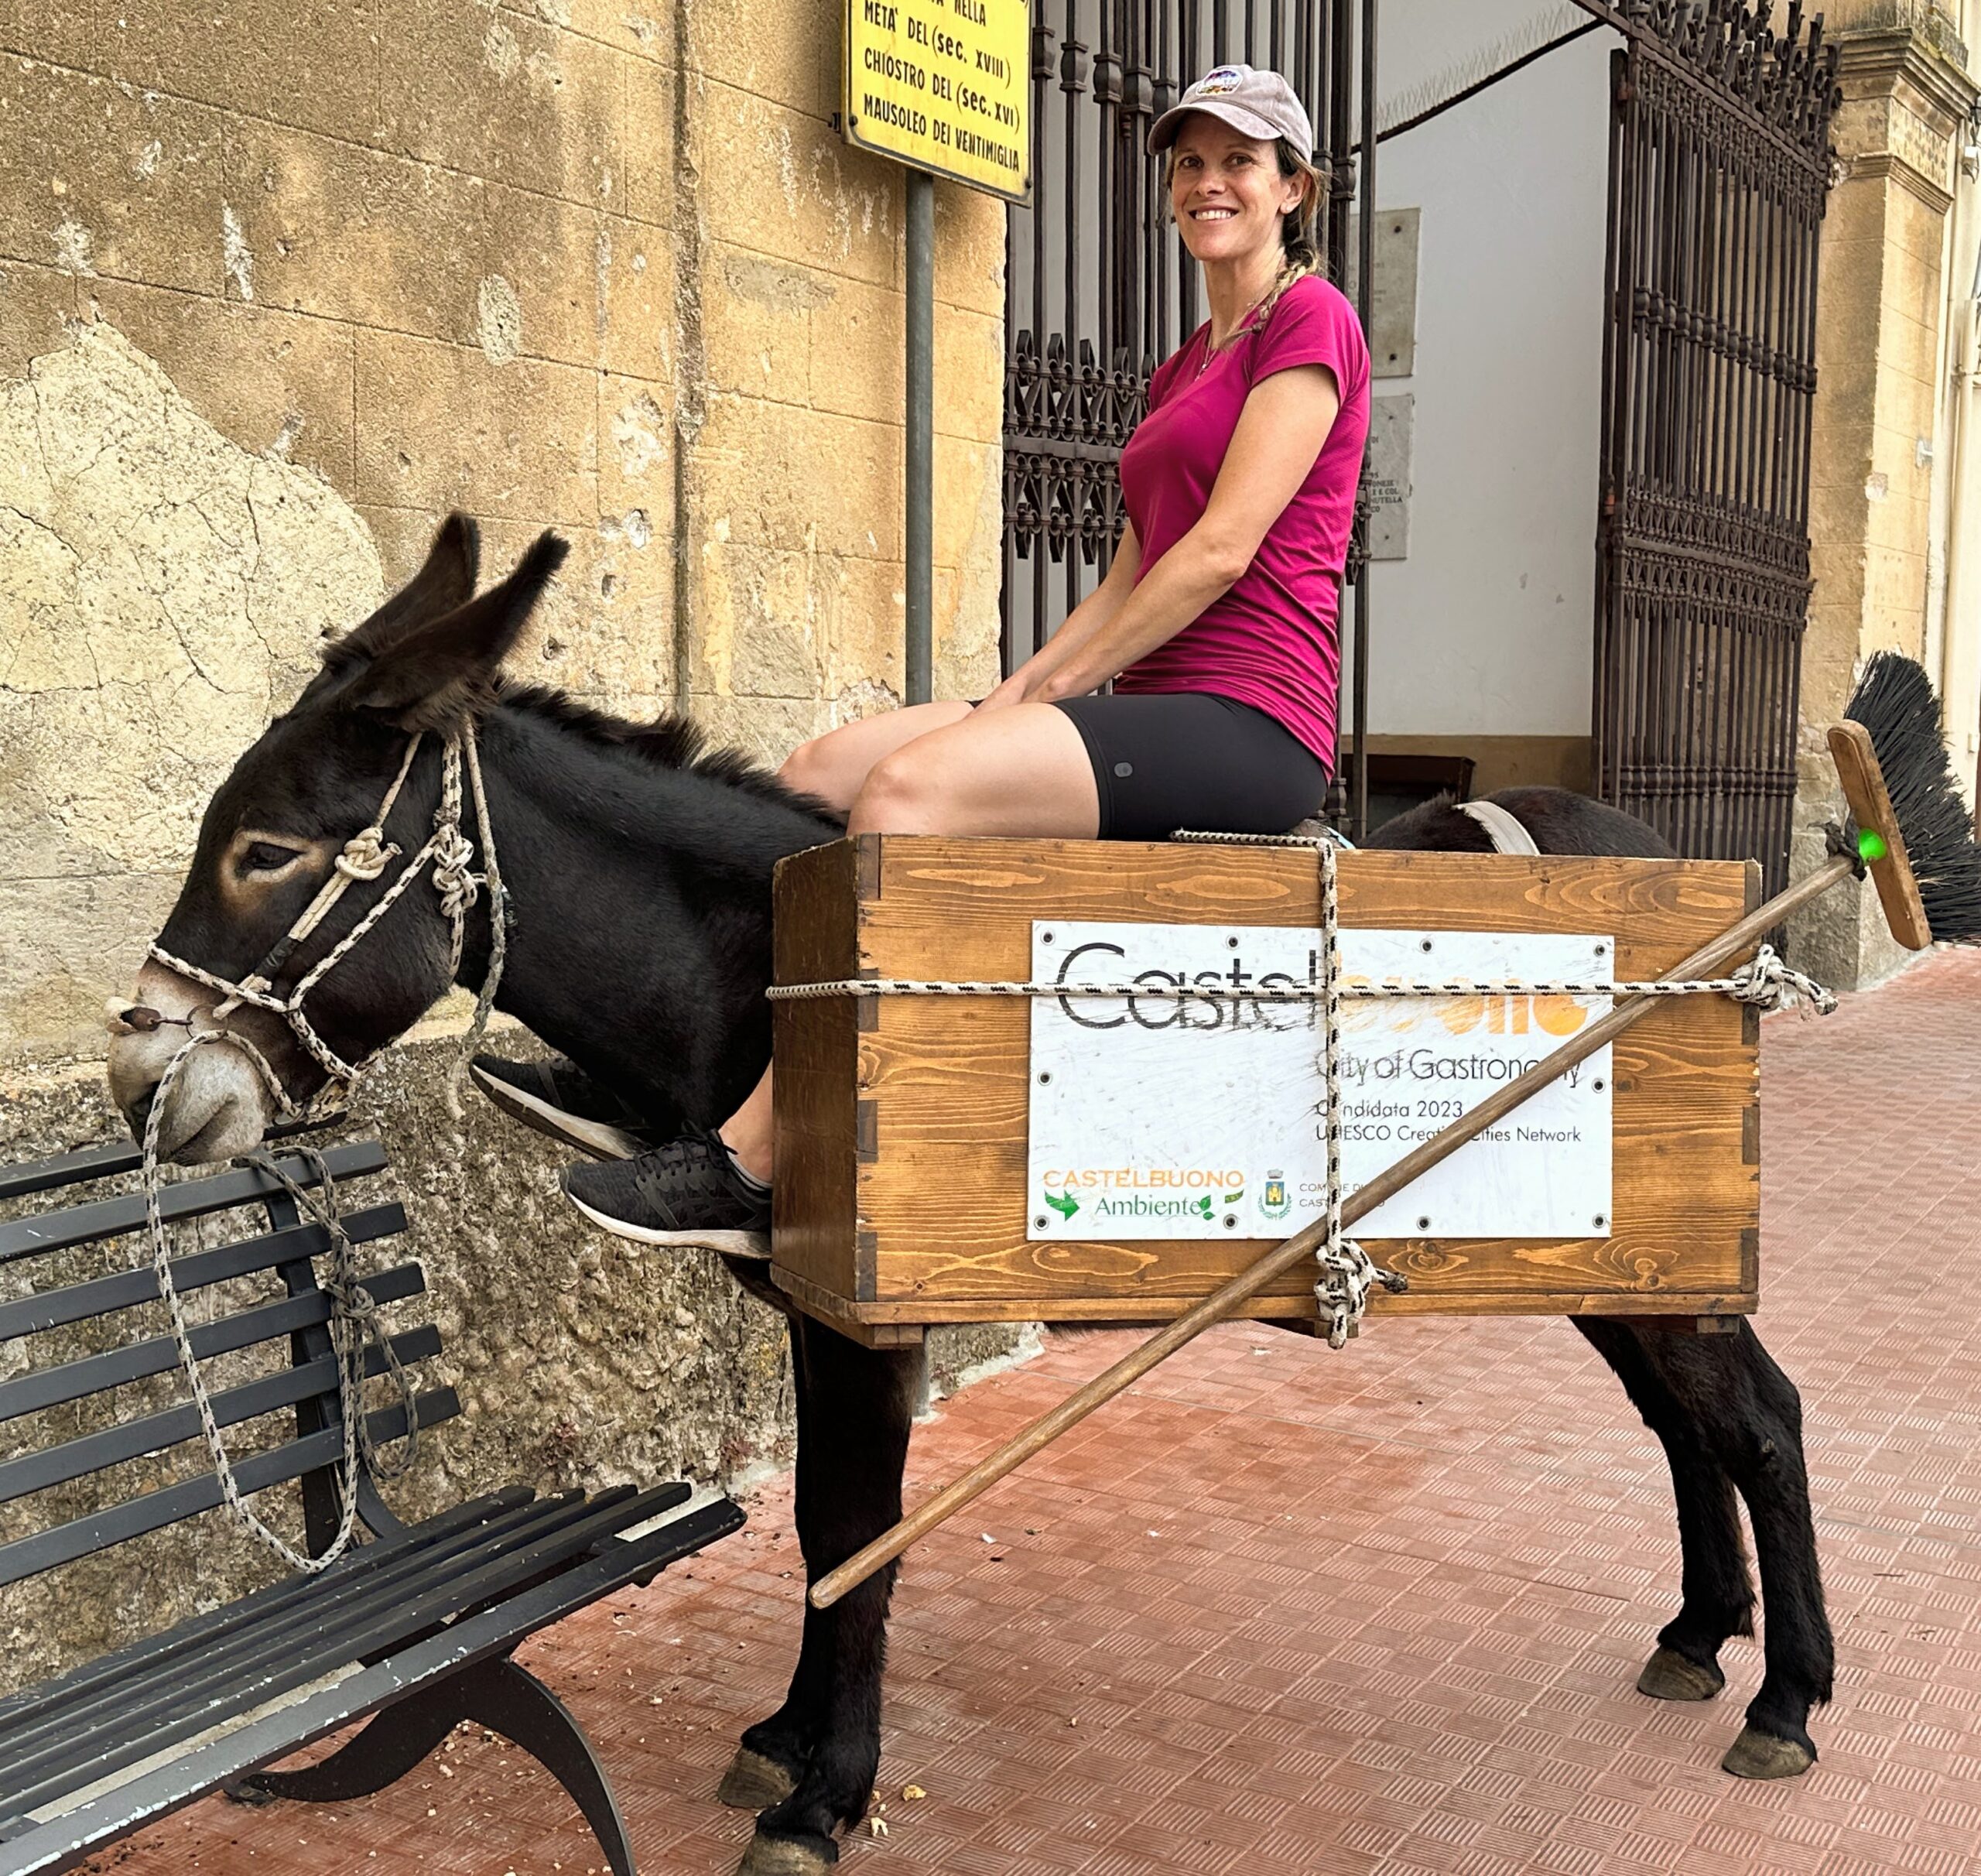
<point>1289,1614</point>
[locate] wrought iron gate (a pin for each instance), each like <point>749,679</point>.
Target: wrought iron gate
<point>1720,165</point>
<point>1098,288</point>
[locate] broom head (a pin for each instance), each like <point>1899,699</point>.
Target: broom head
<point>1915,828</point>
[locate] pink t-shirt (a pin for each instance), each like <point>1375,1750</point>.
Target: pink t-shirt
<point>1271,640</point>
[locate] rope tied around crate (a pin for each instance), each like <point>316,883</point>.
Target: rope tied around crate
<point>1347,1273</point>
<point>355,1327</point>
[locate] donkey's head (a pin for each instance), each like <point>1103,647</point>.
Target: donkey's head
<point>272,837</point>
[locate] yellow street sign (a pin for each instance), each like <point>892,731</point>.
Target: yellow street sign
<point>945,85</point>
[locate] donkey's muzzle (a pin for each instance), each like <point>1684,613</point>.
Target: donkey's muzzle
<point>137,1115</point>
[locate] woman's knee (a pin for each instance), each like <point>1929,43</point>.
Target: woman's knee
<point>902,794</point>
<point>816,768</point>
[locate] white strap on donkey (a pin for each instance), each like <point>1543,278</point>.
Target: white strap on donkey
<point>1506,834</point>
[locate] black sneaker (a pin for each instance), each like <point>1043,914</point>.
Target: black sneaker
<point>688,1192</point>
<point>557,1098</point>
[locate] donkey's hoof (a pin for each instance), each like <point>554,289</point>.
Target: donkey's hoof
<point>1668,1676</point>
<point>1756,1755</point>
<point>755,1783</point>
<point>788,1856</point>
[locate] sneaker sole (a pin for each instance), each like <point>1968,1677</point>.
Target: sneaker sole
<point>598,1139</point>
<point>729,1244</point>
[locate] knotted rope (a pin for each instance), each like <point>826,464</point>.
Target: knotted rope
<point>1347,1273</point>
<point>355,1324</point>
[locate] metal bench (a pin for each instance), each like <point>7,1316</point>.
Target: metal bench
<point>420,1621</point>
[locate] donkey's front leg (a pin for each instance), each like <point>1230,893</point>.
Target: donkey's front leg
<point>774,1754</point>
<point>859,1405</point>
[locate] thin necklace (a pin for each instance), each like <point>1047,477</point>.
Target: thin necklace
<point>1237,332</point>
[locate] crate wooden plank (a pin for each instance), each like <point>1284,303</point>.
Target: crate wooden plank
<point>814,1197</point>
<point>935,1135</point>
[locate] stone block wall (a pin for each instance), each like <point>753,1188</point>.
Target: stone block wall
<point>279,287</point>
<point>1878,424</point>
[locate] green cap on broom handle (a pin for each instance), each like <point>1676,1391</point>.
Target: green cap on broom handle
<point>1912,832</point>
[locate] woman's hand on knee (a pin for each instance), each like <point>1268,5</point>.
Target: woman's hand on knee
<point>1012,691</point>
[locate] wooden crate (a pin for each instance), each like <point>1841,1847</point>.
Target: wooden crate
<point>900,1195</point>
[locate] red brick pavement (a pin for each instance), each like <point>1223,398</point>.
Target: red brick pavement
<point>1282,1612</point>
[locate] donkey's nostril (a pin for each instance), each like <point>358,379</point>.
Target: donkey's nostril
<point>139,1113</point>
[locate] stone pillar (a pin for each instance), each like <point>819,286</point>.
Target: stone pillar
<point>1881,306</point>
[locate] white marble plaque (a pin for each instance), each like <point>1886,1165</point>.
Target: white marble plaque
<point>1392,424</point>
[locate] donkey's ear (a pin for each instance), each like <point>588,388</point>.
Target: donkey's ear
<point>432,671</point>
<point>447,580</point>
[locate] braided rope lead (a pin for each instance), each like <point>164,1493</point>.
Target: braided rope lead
<point>355,1320</point>
<point>231,1498</point>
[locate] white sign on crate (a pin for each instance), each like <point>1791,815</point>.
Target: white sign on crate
<point>1197,1117</point>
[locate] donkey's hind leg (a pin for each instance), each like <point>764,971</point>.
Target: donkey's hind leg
<point>859,1406</point>
<point>1748,1415</point>
<point>1716,1598</point>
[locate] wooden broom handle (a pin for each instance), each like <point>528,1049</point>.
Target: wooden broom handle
<point>1705,962</point>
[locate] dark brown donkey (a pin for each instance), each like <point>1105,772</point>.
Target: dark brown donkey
<point>638,866</point>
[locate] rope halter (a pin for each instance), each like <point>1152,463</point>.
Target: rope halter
<point>355,1324</point>
<point>364,859</point>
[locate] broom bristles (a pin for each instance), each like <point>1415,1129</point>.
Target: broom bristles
<point>1894,701</point>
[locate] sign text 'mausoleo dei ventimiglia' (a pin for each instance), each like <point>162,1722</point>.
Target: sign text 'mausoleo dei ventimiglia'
<point>942,84</point>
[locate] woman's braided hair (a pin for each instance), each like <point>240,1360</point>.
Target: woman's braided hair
<point>1299,233</point>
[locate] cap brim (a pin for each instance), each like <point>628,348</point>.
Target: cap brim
<point>1163,132</point>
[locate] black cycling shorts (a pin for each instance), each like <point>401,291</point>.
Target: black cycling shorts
<point>1189,759</point>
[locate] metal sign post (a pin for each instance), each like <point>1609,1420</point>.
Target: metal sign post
<point>942,86</point>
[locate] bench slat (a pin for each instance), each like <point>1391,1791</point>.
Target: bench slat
<point>62,1842</point>
<point>107,1161</point>
<point>39,1746</point>
<point>81,1224</point>
<point>117,1368</point>
<point>156,1433</point>
<point>371,1633</point>
<point>28,1556</point>
<point>127,1289</point>
<point>31,1706</point>
<point>112,1159</point>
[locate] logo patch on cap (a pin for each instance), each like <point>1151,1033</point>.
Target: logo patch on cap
<point>1215,84</point>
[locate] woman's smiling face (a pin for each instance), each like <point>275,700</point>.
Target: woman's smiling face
<point>1226,191</point>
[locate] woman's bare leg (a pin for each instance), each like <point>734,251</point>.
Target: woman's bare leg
<point>1021,769</point>
<point>834,767</point>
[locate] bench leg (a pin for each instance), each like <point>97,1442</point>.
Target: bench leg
<point>498,1695</point>
<point>511,1701</point>
<point>392,1743</point>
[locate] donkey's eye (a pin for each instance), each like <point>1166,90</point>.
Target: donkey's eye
<point>266,857</point>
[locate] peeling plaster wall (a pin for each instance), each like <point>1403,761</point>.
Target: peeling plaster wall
<point>278,288</point>
<point>163,590</point>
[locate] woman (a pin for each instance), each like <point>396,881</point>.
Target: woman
<point>1215,622</point>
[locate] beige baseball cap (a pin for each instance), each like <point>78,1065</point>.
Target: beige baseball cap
<point>1255,104</point>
